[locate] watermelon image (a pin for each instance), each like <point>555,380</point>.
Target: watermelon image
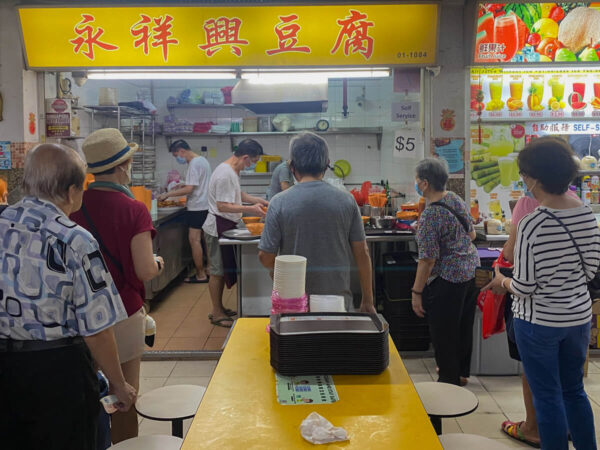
<point>486,23</point>
<point>529,13</point>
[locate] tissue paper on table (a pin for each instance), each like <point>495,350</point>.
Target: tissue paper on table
<point>318,430</point>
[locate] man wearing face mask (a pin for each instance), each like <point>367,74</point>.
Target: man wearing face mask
<point>320,222</point>
<point>196,189</point>
<point>123,228</point>
<point>225,210</point>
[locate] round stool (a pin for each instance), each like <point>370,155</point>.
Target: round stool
<point>459,441</point>
<point>150,442</point>
<point>445,400</point>
<point>174,403</point>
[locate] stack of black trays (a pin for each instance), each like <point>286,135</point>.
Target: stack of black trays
<point>408,331</point>
<point>329,344</point>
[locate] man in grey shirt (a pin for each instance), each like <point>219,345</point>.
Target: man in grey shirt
<point>320,222</point>
<point>281,180</point>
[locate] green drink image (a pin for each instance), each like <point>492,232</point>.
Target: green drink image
<point>506,166</point>
<point>514,175</point>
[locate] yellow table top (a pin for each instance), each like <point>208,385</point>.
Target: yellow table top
<point>240,409</point>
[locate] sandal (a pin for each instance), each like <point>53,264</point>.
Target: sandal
<point>220,322</point>
<point>230,312</point>
<point>195,280</point>
<point>513,430</point>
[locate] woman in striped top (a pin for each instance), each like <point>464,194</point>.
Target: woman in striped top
<point>556,253</point>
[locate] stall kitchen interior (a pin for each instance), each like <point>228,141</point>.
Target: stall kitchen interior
<point>274,189</point>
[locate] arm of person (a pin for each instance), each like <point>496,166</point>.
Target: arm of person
<point>104,351</point>
<point>178,192</point>
<point>247,198</point>
<point>267,260</point>
<point>509,246</point>
<point>424,268</point>
<point>253,210</point>
<point>360,250</point>
<point>472,235</point>
<point>144,264</point>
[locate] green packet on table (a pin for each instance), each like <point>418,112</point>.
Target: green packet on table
<point>306,389</point>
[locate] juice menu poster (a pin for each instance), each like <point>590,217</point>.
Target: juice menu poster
<point>495,178</point>
<point>304,390</point>
<point>537,32</point>
<point>517,95</point>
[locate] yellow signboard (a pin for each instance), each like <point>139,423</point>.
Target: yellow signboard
<point>240,36</point>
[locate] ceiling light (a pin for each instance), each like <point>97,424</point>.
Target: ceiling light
<point>161,75</point>
<point>311,76</point>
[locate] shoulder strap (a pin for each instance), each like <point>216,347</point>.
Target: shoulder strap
<point>460,218</point>
<point>570,236</point>
<point>96,235</point>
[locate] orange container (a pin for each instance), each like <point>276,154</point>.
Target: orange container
<point>255,228</point>
<point>248,220</point>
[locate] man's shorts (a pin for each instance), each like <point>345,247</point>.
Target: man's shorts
<point>214,255</point>
<point>195,219</point>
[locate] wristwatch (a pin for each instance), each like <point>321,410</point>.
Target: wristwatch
<point>158,263</point>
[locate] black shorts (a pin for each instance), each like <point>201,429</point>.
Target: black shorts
<point>195,219</point>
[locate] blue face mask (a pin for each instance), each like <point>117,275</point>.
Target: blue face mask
<point>417,189</point>
<point>181,160</point>
<point>251,167</point>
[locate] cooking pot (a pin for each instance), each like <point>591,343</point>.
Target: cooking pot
<point>386,222</point>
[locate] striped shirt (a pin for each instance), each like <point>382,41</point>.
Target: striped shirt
<point>549,284</point>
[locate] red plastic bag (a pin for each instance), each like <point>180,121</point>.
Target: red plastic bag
<point>492,306</point>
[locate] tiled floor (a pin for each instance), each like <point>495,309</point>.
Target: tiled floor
<point>499,397</point>
<point>181,317</point>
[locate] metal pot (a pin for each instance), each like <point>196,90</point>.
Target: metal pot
<point>376,212</point>
<point>365,210</point>
<point>385,223</point>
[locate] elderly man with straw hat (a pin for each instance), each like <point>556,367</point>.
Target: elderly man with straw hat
<point>58,305</point>
<point>123,228</point>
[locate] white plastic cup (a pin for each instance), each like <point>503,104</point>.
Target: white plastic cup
<point>327,303</point>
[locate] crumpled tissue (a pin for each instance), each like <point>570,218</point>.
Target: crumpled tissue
<point>318,430</point>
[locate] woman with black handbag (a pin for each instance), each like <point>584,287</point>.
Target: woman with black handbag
<point>444,289</point>
<point>557,253</point>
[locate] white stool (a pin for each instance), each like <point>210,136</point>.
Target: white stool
<point>150,442</point>
<point>445,400</point>
<point>174,403</point>
<point>459,441</point>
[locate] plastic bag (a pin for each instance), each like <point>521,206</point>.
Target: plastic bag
<point>492,306</point>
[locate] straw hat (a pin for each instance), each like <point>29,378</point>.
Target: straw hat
<point>105,149</point>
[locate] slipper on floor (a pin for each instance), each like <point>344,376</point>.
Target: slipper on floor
<point>513,430</point>
<point>220,322</point>
<point>195,280</point>
<point>230,312</point>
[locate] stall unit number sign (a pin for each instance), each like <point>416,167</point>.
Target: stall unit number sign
<point>408,144</point>
<point>232,36</point>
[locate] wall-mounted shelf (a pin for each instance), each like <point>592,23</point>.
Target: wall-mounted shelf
<point>581,173</point>
<point>201,106</point>
<point>377,131</point>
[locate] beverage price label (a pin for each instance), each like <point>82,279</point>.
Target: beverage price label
<point>408,144</point>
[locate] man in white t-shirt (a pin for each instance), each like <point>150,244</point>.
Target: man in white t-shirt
<point>224,212</point>
<point>196,189</point>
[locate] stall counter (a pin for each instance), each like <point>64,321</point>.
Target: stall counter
<point>240,407</point>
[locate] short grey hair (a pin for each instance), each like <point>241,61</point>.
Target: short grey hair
<point>309,154</point>
<point>435,171</point>
<point>50,170</point>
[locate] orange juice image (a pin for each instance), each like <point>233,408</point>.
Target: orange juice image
<point>516,89</point>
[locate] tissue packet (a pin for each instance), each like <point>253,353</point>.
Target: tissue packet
<point>318,430</point>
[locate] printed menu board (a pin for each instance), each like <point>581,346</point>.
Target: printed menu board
<point>501,94</point>
<point>495,178</point>
<point>537,32</point>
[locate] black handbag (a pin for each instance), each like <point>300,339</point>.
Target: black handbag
<point>593,284</point>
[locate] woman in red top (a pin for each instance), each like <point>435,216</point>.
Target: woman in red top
<point>123,228</point>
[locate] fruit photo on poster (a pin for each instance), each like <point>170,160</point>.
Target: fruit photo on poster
<point>538,32</point>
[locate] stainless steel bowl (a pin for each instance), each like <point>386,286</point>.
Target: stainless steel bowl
<point>383,223</point>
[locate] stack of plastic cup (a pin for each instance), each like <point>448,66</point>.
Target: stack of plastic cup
<point>289,278</point>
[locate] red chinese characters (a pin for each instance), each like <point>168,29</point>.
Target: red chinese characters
<point>87,38</point>
<point>160,33</point>
<point>287,33</point>
<point>223,31</point>
<point>355,35</point>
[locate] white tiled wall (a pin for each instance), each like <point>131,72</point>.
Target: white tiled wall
<point>368,163</point>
